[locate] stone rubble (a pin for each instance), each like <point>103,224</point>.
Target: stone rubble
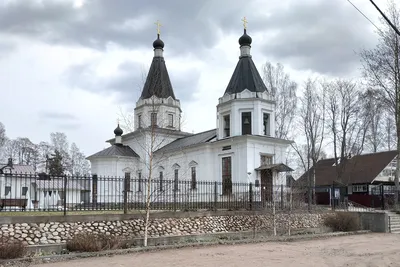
<point>60,232</point>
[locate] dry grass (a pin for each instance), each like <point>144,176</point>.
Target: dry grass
<point>90,242</point>
<point>342,222</point>
<point>11,249</point>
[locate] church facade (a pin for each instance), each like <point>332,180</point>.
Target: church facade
<point>242,148</point>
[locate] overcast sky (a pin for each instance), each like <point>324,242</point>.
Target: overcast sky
<point>69,65</point>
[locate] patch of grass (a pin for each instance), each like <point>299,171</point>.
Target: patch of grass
<point>90,242</point>
<point>11,249</point>
<point>342,222</point>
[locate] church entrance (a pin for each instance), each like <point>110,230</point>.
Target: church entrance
<point>266,186</point>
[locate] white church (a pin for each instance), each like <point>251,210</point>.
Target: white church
<point>242,148</point>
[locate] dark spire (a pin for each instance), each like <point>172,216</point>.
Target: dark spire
<point>245,39</point>
<point>158,43</point>
<point>246,75</point>
<point>157,81</point>
<point>118,131</point>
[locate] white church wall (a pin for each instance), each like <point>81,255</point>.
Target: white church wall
<point>235,107</point>
<point>256,148</point>
<point>163,107</point>
<point>111,173</point>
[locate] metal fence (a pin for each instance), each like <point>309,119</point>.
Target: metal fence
<point>32,192</point>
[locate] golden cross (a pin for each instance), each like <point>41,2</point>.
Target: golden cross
<point>245,22</point>
<point>158,26</point>
<point>118,121</point>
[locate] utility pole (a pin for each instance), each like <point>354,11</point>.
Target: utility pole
<point>386,18</point>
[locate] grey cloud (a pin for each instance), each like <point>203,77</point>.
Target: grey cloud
<point>56,115</point>
<point>6,48</point>
<point>68,125</point>
<point>61,120</point>
<point>127,23</point>
<point>128,82</point>
<point>185,84</point>
<point>319,35</point>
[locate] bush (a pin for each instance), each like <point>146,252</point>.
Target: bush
<point>11,249</point>
<point>90,242</point>
<point>342,222</point>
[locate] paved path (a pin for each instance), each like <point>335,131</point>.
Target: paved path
<point>362,250</point>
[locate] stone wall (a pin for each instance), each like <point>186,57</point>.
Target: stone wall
<point>53,232</point>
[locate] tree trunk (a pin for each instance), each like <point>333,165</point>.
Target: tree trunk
<point>148,197</point>
<point>274,214</point>
<point>146,222</point>
<point>290,208</point>
<point>309,189</point>
<point>396,177</point>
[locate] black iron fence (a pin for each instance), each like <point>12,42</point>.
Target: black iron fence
<point>32,192</point>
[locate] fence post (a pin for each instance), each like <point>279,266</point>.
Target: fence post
<point>126,193</point>
<point>175,189</point>
<point>94,191</point>
<point>65,195</point>
<point>383,197</point>
<point>333,195</point>
<point>251,196</point>
<point>281,196</point>
<point>215,195</point>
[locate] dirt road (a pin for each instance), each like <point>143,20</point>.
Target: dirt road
<point>361,250</point>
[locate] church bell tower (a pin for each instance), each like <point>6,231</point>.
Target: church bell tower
<point>157,105</point>
<point>247,107</point>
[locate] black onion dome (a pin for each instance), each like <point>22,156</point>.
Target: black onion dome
<point>245,39</point>
<point>118,131</point>
<point>158,43</point>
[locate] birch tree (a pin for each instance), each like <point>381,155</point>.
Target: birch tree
<point>381,67</point>
<point>156,138</point>
<point>3,136</point>
<point>284,90</point>
<point>347,127</point>
<point>373,113</point>
<point>311,121</point>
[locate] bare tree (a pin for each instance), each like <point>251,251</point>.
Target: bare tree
<point>382,69</point>
<point>59,142</point>
<point>373,114</point>
<point>3,137</point>
<point>127,116</point>
<point>11,149</point>
<point>389,131</point>
<point>312,124</point>
<point>79,165</point>
<point>156,138</point>
<point>348,128</point>
<point>284,90</point>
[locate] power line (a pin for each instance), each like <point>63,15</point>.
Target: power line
<point>386,18</point>
<point>365,16</point>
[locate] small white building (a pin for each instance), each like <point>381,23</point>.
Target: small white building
<point>22,188</point>
<point>242,149</point>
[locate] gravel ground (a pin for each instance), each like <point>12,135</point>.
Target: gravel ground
<point>358,250</point>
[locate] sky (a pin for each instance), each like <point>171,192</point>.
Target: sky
<point>72,65</point>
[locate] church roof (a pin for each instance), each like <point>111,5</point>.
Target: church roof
<point>116,150</point>
<point>191,140</point>
<point>157,81</point>
<point>245,76</point>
